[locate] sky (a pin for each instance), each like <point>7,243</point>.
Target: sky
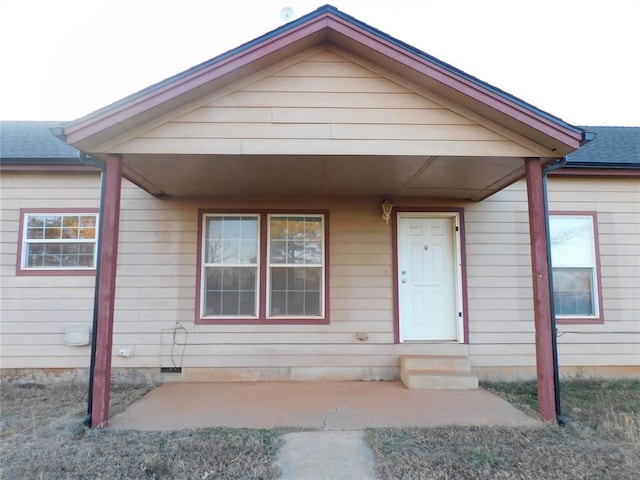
<point>576,59</point>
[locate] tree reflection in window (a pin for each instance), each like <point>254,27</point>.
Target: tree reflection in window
<point>231,265</point>
<point>59,241</point>
<point>295,265</point>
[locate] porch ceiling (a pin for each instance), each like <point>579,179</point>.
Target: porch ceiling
<point>470,178</point>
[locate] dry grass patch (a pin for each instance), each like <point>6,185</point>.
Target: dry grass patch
<point>606,409</point>
<point>600,441</point>
<point>43,438</point>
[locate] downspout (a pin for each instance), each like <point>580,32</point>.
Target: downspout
<point>94,330</point>
<point>554,337</point>
<point>58,132</point>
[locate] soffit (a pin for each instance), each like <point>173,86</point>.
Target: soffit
<point>472,178</point>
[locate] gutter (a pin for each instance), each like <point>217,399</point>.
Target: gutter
<point>604,165</point>
<point>588,137</point>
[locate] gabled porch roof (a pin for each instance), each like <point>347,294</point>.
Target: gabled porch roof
<point>267,118</point>
<point>426,129</point>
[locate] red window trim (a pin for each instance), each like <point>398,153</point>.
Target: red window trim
<point>599,319</point>
<point>24,272</point>
<point>263,242</point>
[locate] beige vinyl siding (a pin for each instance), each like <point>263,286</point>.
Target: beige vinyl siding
<point>156,287</point>
<point>36,310</point>
<point>322,104</point>
<point>500,298</point>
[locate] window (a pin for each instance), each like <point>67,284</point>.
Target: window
<point>262,268</point>
<point>56,242</point>
<point>295,265</point>
<point>575,267</point>
<point>231,266</point>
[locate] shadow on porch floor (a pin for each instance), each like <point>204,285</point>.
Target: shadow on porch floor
<point>315,405</point>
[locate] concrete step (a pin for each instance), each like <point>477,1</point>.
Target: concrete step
<point>425,380</point>
<point>437,372</point>
<point>444,363</point>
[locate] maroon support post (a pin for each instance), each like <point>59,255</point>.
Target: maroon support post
<point>109,224</point>
<point>541,293</point>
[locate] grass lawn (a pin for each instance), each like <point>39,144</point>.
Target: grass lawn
<point>601,440</point>
<point>42,437</point>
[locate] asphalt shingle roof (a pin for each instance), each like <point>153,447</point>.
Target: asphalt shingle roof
<point>613,146</point>
<point>33,140</point>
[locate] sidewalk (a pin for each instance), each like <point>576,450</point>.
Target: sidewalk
<point>326,456</point>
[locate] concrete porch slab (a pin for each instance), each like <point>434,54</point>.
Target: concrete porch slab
<point>314,405</point>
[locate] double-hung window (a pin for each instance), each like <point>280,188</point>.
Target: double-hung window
<point>231,255</point>
<point>262,268</point>
<point>575,268</point>
<point>58,242</point>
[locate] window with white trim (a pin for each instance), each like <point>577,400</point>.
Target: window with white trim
<point>295,265</point>
<point>230,264</point>
<point>265,267</point>
<point>575,268</point>
<point>59,241</point>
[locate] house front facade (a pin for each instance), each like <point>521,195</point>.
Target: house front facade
<point>316,205</point>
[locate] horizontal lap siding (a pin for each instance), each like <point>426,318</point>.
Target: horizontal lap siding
<point>360,281</point>
<point>501,324</point>
<point>324,104</point>
<point>36,310</point>
<point>156,285</point>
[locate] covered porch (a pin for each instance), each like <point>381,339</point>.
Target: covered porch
<point>314,405</point>
<point>323,108</point>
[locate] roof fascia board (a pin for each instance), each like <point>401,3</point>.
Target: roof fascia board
<point>621,172</point>
<point>41,161</point>
<point>38,167</point>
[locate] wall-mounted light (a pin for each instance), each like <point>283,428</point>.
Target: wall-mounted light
<point>387,206</point>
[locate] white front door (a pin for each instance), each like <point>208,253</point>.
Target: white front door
<point>428,278</point>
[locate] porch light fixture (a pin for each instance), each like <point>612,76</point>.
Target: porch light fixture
<point>387,206</point>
